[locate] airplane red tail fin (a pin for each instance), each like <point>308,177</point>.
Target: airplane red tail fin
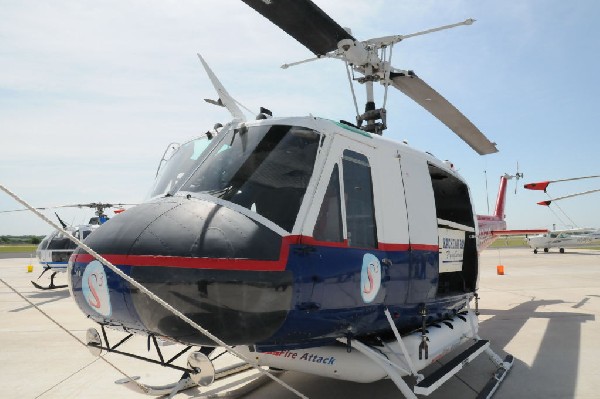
<point>501,200</point>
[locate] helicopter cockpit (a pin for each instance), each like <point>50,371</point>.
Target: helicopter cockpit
<point>264,168</point>
<point>56,247</point>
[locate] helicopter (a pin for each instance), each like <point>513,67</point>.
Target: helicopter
<point>54,250</point>
<point>302,243</point>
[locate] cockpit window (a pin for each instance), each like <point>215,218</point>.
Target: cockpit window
<point>61,241</point>
<point>179,167</point>
<point>44,243</point>
<point>262,168</point>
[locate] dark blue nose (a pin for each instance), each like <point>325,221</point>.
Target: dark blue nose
<point>182,227</point>
<point>223,269</point>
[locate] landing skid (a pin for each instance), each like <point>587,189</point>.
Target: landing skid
<point>495,381</point>
<point>230,382</point>
<point>52,286</point>
<point>355,360</point>
<point>426,386</point>
<point>233,380</point>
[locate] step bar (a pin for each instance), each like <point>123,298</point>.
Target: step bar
<point>443,374</point>
<point>399,359</point>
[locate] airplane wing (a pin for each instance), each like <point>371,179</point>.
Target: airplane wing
<point>582,230</point>
<point>502,233</point>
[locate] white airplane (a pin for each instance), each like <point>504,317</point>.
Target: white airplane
<point>561,239</point>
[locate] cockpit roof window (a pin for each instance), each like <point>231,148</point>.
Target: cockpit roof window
<point>263,168</point>
<point>179,167</point>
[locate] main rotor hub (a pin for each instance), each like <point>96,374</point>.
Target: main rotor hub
<point>358,54</point>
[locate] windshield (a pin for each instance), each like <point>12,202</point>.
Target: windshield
<point>263,168</point>
<point>179,167</point>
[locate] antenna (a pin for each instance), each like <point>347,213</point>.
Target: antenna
<point>487,193</point>
<point>63,224</point>
<point>517,177</point>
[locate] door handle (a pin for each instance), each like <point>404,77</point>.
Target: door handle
<point>385,266</point>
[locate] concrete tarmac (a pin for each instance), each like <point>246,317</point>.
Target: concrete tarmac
<point>543,311</point>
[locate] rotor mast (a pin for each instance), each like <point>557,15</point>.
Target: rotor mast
<point>325,38</point>
<point>364,58</point>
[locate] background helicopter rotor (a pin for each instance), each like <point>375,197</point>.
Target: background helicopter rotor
<point>98,206</point>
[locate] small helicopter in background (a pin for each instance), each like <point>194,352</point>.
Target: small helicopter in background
<point>55,249</point>
<point>568,238</point>
<point>308,244</point>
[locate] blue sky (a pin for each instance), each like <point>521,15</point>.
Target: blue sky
<point>92,92</point>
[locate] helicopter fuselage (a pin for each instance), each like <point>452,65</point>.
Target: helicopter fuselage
<point>283,233</point>
<point>55,249</point>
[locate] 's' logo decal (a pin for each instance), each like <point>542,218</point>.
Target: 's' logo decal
<point>95,288</point>
<point>370,278</point>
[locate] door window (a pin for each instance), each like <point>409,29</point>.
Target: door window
<point>358,198</point>
<point>329,222</point>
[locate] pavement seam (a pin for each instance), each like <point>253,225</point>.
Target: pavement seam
<point>66,378</point>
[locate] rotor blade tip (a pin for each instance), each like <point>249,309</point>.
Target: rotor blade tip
<point>537,186</point>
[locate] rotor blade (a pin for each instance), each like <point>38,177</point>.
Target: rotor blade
<point>542,185</point>
<point>19,210</point>
<point>224,97</point>
<point>26,209</point>
<point>438,106</point>
<point>93,205</point>
<point>304,21</point>
<point>548,202</point>
<point>88,205</point>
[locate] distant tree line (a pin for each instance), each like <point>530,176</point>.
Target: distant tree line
<point>35,240</point>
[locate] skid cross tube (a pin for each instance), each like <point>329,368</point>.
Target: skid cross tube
<point>172,366</point>
<point>162,362</point>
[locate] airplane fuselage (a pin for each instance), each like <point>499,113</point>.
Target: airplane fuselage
<point>564,239</point>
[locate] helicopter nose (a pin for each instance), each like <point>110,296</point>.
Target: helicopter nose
<point>221,268</point>
<point>186,227</point>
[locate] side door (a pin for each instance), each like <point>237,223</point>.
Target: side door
<point>423,230</point>
<point>342,230</point>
